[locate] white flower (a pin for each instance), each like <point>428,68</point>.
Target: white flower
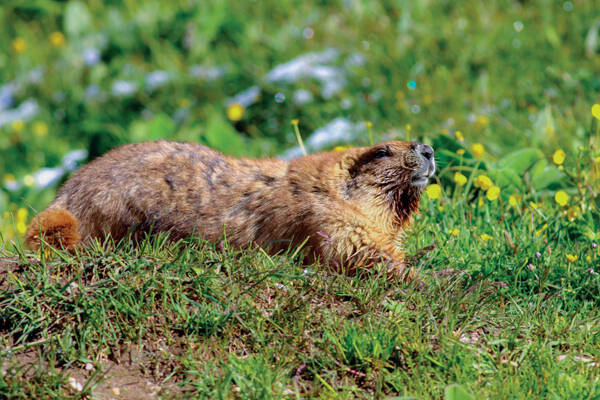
<point>91,56</point>
<point>156,79</point>
<point>124,88</point>
<point>302,96</point>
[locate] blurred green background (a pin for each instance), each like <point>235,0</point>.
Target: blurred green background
<point>92,75</point>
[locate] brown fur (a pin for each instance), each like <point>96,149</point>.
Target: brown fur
<point>58,227</point>
<point>352,207</point>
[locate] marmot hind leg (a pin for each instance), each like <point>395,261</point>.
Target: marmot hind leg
<point>55,226</point>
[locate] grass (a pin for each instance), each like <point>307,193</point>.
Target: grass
<point>505,243</point>
<point>217,323</point>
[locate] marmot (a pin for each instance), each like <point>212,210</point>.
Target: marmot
<point>350,208</point>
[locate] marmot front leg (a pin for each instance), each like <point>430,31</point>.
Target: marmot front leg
<point>350,246</point>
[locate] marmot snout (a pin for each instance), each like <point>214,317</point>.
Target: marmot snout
<point>350,207</point>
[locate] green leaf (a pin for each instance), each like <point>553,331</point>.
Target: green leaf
<point>457,392</point>
<point>444,157</point>
<point>546,176</point>
<point>159,127</point>
<point>77,19</point>
<point>443,141</point>
<point>505,178</point>
<point>221,136</point>
<point>521,160</point>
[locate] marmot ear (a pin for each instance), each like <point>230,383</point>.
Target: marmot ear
<point>347,162</point>
<point>351,164</point>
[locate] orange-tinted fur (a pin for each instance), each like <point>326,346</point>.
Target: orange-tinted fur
<point>352,207</point>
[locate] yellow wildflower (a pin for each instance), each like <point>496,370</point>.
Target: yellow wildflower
<point>513,200</point>
<point>408,127</point>
<point>460,179</point>
<point>492,193</point>
<point>561,197</point>
<point>8,178</point>
<point>588,258</point>
<point>434,191</point>
<point>483,120</point>
<point>22,214</point>
<point>183,102</point>
<point>596,111</point>
<point>40,129</point>
<point>28,180</point>
<point>340,148</point>
<point>459,135</point>
<point>571,257</point>
<point>294,122</point>
<point>572,214</point>
<point>21,228</point>
<point>57,39</point>
<point>235,112</point>
<point>17,125</point>
<point>558,157</point>
<point>483,182</point>
<point>534,205</point>
<point>454,232</point>
<point>19,45</point>
<point>477,149</point>
<point>460,152</point>
<point>485,237</point>
<point>368,124</point>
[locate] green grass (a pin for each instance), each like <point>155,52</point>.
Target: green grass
<point>507,303</point>
<point>222,323</point>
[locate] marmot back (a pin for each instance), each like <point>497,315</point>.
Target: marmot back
<point>350,207</point>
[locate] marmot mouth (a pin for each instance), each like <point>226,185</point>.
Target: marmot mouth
<point>420,180</point>
<point>422,177</point>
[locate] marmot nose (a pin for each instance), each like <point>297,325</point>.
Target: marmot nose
<point>425,150</point>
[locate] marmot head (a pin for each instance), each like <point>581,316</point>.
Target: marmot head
<point>392,174</point>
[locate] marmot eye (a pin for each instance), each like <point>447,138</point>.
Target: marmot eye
<point>382,153</point>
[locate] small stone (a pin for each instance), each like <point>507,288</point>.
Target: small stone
<point>78,387</point>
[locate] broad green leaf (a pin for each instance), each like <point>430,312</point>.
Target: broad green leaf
<point>505,178</point>
<point>445,142</point>
<point>159,127</point>
<point>443,157</point>
<point>521,160</point>
<point>221,136</point>
<point>546,176</point>
<point>457,392</point>
<point>77,19</point>
<point>544,127</point>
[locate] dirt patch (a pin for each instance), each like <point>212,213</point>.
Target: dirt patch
<point>141,373</point>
